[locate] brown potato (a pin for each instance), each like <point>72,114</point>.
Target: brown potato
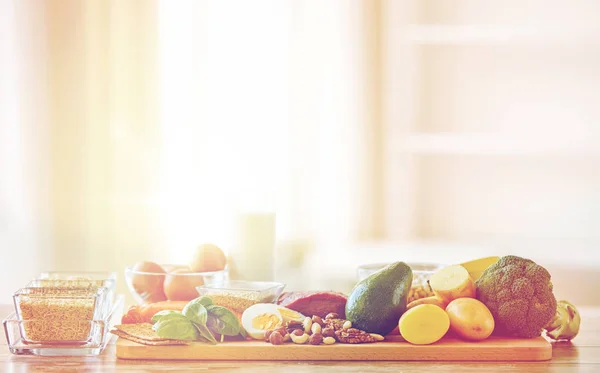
<point>451,283</point>
<point>470,319</point>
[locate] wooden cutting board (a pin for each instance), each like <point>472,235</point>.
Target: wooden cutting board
<point>392,349</point>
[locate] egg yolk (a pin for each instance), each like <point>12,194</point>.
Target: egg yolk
<point>266,321</point>
<point>289,314</point>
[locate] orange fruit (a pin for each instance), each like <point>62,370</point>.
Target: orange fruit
<point>208,258</point>
<point>179,287</point>
<point>149,286</point>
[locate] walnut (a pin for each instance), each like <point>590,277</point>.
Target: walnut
<point>328,332</point>
<point>332,315</point>
<point>353,330</point>
<point>335,324</point>
<point>353,335</point>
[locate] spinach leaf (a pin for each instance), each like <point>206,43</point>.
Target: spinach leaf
<point>195,311</point>
<point>176,328</point>
<point>203,300</point>
<point>205,332</point>
<point>197,314</point>
<point>227,323</point>
<point>165,314</point>
<point>213,323</point>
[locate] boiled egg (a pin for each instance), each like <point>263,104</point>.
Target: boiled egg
<point>260,317</point>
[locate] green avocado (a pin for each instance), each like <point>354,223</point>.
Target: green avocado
<point>377,302</point>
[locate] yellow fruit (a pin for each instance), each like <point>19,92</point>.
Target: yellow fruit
<point>477,266</point>
<point>452,282</point>
<point>208,258</point>
<point>147,281</point>
<point>181,284</point>
<point>470,319</point>
<point>424,324</point>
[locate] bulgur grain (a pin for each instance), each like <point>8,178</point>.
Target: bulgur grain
<point>232,302</point>
<point>57,314</point>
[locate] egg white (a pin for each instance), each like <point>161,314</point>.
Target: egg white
<point>256,310</point>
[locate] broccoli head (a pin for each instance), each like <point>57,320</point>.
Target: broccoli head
<point>518,292</point>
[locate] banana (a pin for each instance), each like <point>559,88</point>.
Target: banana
<point>478,266</point>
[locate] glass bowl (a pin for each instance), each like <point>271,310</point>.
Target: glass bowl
<point>422,271</point>
<point>238,295</point>
<point>59,314</point>
<point>77,275</point>
<point>86,337</point>
<point>51,283</point>
<point>149,287</point>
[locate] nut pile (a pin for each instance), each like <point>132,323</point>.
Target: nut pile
<point>316,331</point>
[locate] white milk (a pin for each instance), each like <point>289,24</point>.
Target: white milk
<point>253,257</point>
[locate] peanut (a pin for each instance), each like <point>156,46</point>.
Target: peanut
<point>347,324</point>
<point>328,340</point>
<point>316,328</point>
<point>307,323</point>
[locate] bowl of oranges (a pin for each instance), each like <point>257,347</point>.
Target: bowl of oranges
<point>150,282</point>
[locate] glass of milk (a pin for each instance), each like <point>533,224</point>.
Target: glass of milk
<point>252,257</point>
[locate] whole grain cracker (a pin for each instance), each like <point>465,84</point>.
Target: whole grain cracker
<point>162,342</point>
<point>141,330</point>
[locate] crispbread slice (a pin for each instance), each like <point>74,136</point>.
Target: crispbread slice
<point>141,330</point>
<point>162,342</point>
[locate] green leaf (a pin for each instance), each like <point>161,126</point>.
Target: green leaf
<point>166,314</point>
<point>195,311</point>
<point>243,332</point>
<point>205,333</point>
<point>227,324</point>
<point>176,328</point>
<point>213,323</point>
<point>204,300</point>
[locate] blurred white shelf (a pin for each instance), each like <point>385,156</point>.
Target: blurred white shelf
<point>493,144</point>
<point>501,34</point>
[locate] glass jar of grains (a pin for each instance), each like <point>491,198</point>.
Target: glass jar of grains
<point>422,271</point>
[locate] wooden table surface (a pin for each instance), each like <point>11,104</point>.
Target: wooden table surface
<point>582,355</point>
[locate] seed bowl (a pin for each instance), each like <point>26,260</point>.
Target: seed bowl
<point>238,295</point>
